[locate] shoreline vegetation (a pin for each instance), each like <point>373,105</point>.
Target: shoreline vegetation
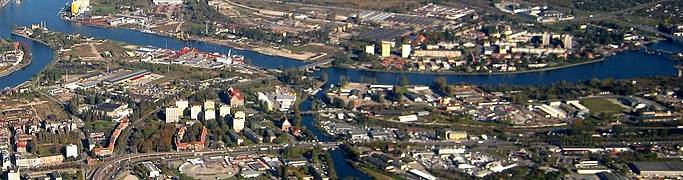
<point>477,73</point>
<point>307,58</point>
<point>26,60</point>
<point>55,54</point>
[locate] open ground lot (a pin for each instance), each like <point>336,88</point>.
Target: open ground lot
<point>601,105</point>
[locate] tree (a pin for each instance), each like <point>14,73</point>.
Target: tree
<point>323,77</point>
<point>343,81</point>
<point>440,83</point>
<point>403,81</point>
<point>338,103</point>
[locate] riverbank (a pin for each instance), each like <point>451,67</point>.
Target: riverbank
<point>26,60</point>
<point>55,56</point>
<point>474,74</point>
<point>3,3</point>
<point>262,49</point>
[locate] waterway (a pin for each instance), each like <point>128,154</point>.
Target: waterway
<point>625,65</point>
<point>630,64</point>
<point>342,168</point>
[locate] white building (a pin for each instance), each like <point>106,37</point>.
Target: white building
<point>224,110</point>
<point>210,114</point>
<point>153,169</point>
<point>172,114</point>
<point>182,105</point>
<point>194,112</point>
<point>157,2</point>
<point>552,111</point>
<point>209,105</point>
<point>264,98</point>
<point>370,49</point>
<point>238,120</point>
<point>13,175</point>
<point>407,118</point>
<point>285,101</point>
<point>406,49</point>
<point>422,174</point>
<point>71,151</point>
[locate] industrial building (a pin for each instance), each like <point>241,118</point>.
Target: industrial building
<point>152,169</point>
<point>455,135</point>
<point>657,169</point>
<point>158,2</point>
<point>79,7</point>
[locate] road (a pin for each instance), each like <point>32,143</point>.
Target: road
<point>105,171</point>
<point>611,15</point>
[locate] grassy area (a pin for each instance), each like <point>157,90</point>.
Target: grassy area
<point>500,151</point>
<point>601,105</point>
<point>99,125</point>
<point>640,19</point>
<point>104,10</point>
<point>373,173</point>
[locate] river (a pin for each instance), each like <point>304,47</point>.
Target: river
<point>629,64</point>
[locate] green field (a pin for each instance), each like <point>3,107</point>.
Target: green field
<point>99,125</point>
<point>601,105</point>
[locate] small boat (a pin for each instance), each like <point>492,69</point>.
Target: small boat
<point>148,31</point>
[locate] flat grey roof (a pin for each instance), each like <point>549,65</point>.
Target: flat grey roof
<point>658,166</point>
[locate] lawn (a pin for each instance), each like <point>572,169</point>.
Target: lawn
<point>99,125</point>
<point>601,105</point>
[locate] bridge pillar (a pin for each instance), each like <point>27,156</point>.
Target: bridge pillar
<point>680,70</point>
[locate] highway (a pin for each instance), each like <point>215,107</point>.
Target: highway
<point>105,171</point>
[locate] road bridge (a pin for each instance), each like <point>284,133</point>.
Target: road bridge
<point>316,65</point>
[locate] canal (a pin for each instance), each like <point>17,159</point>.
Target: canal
<point>341,166</point>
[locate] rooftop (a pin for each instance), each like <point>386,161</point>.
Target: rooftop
<point>658,166</point>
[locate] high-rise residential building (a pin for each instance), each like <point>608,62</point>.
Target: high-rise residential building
<point>210,114</point>
<point>182,105</point>
<point>71,151</point>
<point>567,41</point>
<point>224,110</point>
<point>238,120</point>
<point>386,49</point>
<point>209,104</point>
<point>406,49</point>
<point>546,39</point>
<point>370,49</point>
<point>194,112</point>
<point>172,114</point>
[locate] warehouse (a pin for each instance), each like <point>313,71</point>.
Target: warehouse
<point>657,169</point>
